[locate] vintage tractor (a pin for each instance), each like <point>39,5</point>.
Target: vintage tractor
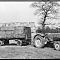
<point>40,40</point>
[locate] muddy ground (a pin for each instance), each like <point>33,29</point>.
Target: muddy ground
<point>28,52</point>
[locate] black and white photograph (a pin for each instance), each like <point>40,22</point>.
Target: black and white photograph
<point>30,29</point>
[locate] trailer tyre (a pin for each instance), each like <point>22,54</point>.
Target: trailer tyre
<point>38,41</point>
<point>1,43</point>
<point>19,42</point>
<point>57,46</point>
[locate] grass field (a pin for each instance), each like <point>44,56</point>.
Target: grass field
<point>28,52</point>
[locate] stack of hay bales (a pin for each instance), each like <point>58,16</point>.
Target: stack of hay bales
<point>8,30</point>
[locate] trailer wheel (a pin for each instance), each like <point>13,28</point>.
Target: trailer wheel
<point>1,43</point>
<point>6,42</point>
<point>57,46</point>
<point>38,41</point>
<point>19,42</point>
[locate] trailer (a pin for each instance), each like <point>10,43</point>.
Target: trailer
<point>20,34</point>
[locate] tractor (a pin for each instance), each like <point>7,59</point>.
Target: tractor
<point>40,40</point>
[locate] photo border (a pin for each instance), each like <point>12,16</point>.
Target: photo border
<point>28,0</point>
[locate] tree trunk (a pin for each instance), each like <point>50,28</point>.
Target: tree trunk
<point>43,24</point>
<point>43,29</point>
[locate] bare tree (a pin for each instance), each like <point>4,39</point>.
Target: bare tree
<point>47,10</point>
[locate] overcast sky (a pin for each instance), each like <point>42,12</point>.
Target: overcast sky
<point>17,12</point>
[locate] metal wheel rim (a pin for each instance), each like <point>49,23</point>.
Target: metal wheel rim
<point>0,42</point>
<point>37,43</point>
<point>19,43</point>
<point>57,46</point>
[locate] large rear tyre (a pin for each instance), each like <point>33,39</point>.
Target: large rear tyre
<point>38,41</point>
<point>57,46</point>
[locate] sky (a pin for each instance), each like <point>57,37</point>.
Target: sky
<point>17,12</point>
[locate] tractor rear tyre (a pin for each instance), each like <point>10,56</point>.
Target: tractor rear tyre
<point>38,41</point>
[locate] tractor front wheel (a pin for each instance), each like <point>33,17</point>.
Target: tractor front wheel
<point>57,46</point>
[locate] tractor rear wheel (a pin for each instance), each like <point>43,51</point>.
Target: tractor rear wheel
<point>38,41</point>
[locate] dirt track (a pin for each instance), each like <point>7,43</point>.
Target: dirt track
<point>28,52</point>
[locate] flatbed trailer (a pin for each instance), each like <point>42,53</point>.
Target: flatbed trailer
<point>21,34</point>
